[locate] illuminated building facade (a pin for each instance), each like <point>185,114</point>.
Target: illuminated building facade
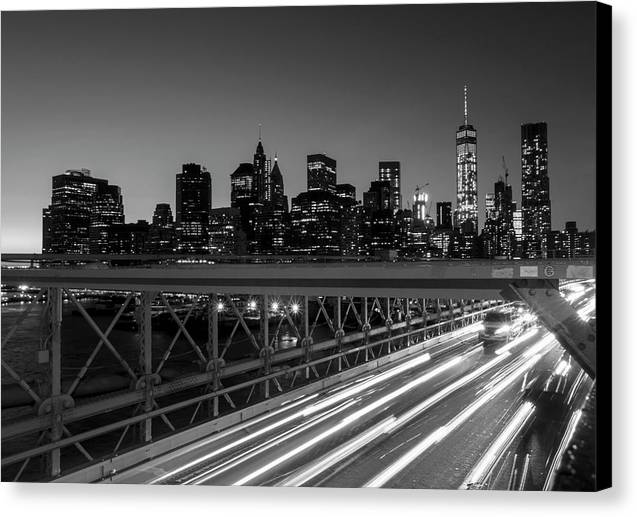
<point>243,196</point>
<point>390,172</point>
<point>226,235</point>
<point>162,236</point>
<point>518,251</point>
<point>420,206</point>
<point>262,179</point>
<point>536,203</point>
<point>272,219</point>
<point>315,223</point>
<point>193,195</point>
<point>498,236</point>
<point>321,173</point>
<point>129,239</point>
<point>466,176</point>
<point>350,212</point>
<point>81,211</point>
<point>571,243</point>
<point>444,215</point>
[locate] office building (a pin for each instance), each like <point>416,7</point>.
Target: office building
<point>162,235</point>
<point>466,176</point>
<point>444,215</point>
<point>193,196</point>
<point>321,173</point>
<point>82,209</point>
<point>536,203</point>
<point>390,172</point>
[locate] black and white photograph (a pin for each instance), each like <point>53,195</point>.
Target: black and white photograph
<point>346,246</point>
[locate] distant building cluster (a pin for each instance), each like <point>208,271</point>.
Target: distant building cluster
<point>86,214</point>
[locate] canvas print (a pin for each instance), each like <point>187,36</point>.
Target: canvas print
<point>340,246</point>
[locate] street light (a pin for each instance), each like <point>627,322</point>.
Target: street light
<point>295,308</point>
<point>220,306</point>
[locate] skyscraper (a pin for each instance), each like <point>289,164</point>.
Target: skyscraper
<point>350,219</point>
<point>81,211</point>
<point>536,203</point>
<point>378,197</point>
<point>466,176</point>
<point>503,206</point>
<point>444,217</point>
<point>316,224</point>
<point>321,173</point>
<point>420,207</point>
<point>129,239</point>
<point>518,250</point>
<point>243,195</point>
<point>262,177</point>
<point>390,171</point>
<point>161,235</point>
<point>271,221</point>
<point>276,194</point>
<point>226,235</point>
<point>193,195</point>
<point>242,185</point>
<point>108,209</point>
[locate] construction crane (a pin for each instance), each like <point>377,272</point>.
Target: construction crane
<point>421,200</point>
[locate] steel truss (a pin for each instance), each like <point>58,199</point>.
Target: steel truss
<point>332,333</point>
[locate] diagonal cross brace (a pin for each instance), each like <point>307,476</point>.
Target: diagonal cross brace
<point>558,316</point>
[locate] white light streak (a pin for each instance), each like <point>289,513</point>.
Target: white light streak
<point>501,443</point>
<point>515,342</point>
<point>404,461</point>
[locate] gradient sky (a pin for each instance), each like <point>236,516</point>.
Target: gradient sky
<point>133,94</point>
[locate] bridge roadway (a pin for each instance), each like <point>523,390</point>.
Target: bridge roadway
<point>449,417</point>
<point>471,279</point>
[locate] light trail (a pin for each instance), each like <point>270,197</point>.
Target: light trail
<point>578,381</point>
<point>357,388</point>
<point>338,396</point>
<point>319,466</point>
<point>354,417</point>
<point>517,341</point>
<point>435,437</point>
<point>499,446</point>
<point>306,474</point>
<point>587,309</point>
<point>566,439</point>
<point>235,461</point>
<point>225,434</point>
<point>330,401</point>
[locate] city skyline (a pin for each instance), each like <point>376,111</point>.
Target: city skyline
<point>411,121</point>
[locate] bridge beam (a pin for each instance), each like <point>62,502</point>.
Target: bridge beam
<point>572,331</point>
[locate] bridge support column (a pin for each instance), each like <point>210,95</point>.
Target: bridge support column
<point>574,333</point>
<point>306,334</point>
<point>213,348</point>
<point>339,332</point>
<point>452,314</point>
<point>366,328</point>
<point>407,322</point>
<point>54,352</point>
<point>145,339</point>
<point>388,324</point>
<point>265,336</point>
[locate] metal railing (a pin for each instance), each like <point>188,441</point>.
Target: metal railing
<point>344,356</point>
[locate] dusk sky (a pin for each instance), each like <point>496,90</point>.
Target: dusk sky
<point>133,94</point>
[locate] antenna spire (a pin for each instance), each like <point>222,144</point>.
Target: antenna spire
<point>466,116</point>
<point>259,132</point>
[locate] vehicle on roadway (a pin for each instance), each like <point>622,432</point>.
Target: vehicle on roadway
<point>504,324</point>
